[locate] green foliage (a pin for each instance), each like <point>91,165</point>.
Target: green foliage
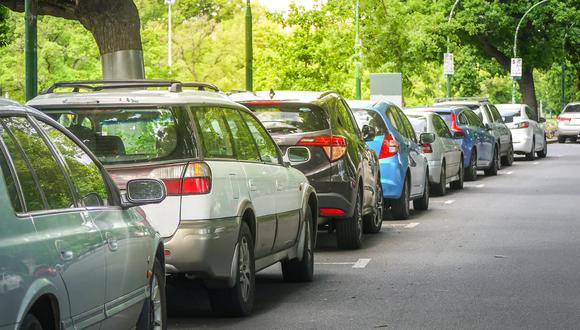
<point>6,27</point>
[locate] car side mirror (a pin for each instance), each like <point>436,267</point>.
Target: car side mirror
<point>487,127</point>
<point>458,135</point>
<point>542,120</point>
<point>369,132</point>
<point>145,191</point>
<point>427,138</point>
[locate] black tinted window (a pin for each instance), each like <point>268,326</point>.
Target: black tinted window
<point>246,148</point>
<point>266,147</point>
<point>441,127</point>
<point>463,118</point>
<point>43,164</point>
<point>572,108</point>
<point>344,118</point>
<point>10,181</point>
<point>474,120</point>
<point>410,132</point>
<point>84,173</point>
<point>531,114</point>
<point>212,126</point>
<point>446,117</point>
<point>372,119</point>
<point>288,118</point>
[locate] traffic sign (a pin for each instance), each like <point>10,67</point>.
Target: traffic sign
<point>516,68</point>
<point>448,65</point>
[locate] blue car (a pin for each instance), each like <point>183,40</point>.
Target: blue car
<point>403,167</point>
<point>480,148</point>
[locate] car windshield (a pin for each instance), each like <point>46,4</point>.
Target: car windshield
<point>288,118</point>
<point>419,123</point>
<point>572,108</point>
<point>370,118</point>
<point>119,135</point>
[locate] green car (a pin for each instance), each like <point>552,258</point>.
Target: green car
<point>74,252</point>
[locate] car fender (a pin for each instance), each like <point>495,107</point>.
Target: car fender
<point>307,191</point>
<point>40,287</point>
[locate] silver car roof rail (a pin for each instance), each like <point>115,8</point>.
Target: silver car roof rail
<point>99,85</point>
<point>450,99</point>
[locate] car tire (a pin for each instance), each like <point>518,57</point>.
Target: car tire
<point>400,208</point>
<point>372,223</point>
<point>238,300</point>
<point>30,322</point>
<point>458,184</point>
<point>544,152</point>
<point>532,154</point>
<point>508,159</point>
<point>493,168</point>
<point>440,189</point>
<point>349,230</point>
<point>422,204</point>
<point>561,139</point>
<point>573,139</point>
<point>302,270</point>
<point>154,312</point>
<point>471,173</point>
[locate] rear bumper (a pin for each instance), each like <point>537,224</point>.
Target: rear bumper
<point>204,249</point>
<point>522,140</point>
<point>568,130</point>
<point>392,177</point>
<point>340,198</point>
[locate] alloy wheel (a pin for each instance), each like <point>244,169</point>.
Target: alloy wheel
<point>380,201</point>
<point>156,305</point>
<point>245,276</point>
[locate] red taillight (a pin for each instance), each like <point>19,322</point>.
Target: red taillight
<point>454,126</point>
<point>560,118</point>
<point>166,253</point>
<point>193,179</point>
<point>334,146</point>
<point>331,212</point>
<point>390,147</point>
<point>523,124</point>
<point>427,148</point>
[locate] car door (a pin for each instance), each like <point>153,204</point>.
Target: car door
<point>485,140</point>
<point>505,134</point>
<point>126,236</point>
<point>537,127</point>
<point>417,161</point>
<point>450,146</point>
<point>72,240</point>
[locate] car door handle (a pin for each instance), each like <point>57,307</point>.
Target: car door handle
<point>112,242</point>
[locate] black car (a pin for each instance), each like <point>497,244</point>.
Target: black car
<point>319,136</point>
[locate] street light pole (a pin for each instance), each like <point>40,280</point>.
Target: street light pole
<point>358,54</point>
<point>448,76</point>
<point>30,44</point>
<point>564,67</point>
<point>249,49</point>
<point>169,3</point>
<point>516,45</point>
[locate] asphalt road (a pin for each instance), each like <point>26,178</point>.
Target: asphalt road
<point>504,253</point>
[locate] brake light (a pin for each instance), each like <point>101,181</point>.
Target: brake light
<point>523,124</point>
<point>561,118</point>
<point>454,126</point>
<point>190,179</point>
<point>331,212</point>
<point>427,149</point>
<point>390,147</point>
<point>334,146</point>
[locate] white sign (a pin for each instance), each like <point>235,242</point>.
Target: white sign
<point>516,67</point>
<point>448,65</point>
<point>169,2</point>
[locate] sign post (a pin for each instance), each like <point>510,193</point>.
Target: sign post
<point>516,73</point>
<point>448,70</point>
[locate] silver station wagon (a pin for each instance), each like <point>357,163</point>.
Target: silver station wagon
<point>74,252</point>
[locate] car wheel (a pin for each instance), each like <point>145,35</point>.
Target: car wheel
<point>561,139</point>
<point>400,206</point>
<point>440,189</point>
<point>544,152</point>
<point>458,184</point>
<point>532,154</point>
<point>508,159</point>
<point>349,230</point>
<point>238,300</point>
<point>373,222</point>
<point>573,139</point>
<point>493,168</point>
<point>422,204</point>
<point>30,322</point>
<point>154,313</point>
<point>471,173</point>
<point>302,270</point>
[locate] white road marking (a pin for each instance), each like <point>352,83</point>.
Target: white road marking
<point>412,225</point>
<point>536,163</point>
<point>334,263</point>
<point>480,186</point>
<point>449,202</point>
<point>361,263</point>
<point>510,173</point>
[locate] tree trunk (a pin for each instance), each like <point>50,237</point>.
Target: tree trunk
<point>528,89</point>
<point>115,25</point>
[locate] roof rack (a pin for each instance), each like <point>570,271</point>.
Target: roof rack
<point>447,99</point>
<point>99,85</point>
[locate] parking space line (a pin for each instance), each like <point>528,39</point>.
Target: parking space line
<point>449,202</point>
<point>480,186</point>
<point>361,263</point>
<point>412,225</point>
<point>510,173</point>
<point>536,163</point>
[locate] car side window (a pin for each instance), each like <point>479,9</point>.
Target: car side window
<point>217,139</point>
<point>496,115</point>
<point>531,114</point>
<point>246,148</point>
<point>462,118</point>
<point>410,132</point>
<point>441,127</point>
<point>344,118</point>
<point>85,174</point>
<point>393,119</point>
<point>43,169</point>
<point>474,120</point>
<point>9,180</point>
<point>266,146</point>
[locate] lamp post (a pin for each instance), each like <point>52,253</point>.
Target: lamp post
<point>169,3</point>
<point>448,54</point>
<point>249,49</point>
<point>358,54</point>
<point>30,44</point>
<point>564,66</point>
<point>516,45</point>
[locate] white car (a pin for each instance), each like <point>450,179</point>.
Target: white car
<point>528,134</point>
<point>569,123</point>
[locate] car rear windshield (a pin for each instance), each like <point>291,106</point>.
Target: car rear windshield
<point>509,115</point>
<point>419,123</point>
<point>572,108</point>
<point>288,118</point>
<point>371,118</point>
<point>129,135</point>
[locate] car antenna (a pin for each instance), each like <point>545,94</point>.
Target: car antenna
<point>272,93</point>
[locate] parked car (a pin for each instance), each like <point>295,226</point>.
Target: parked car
<point>444,154</point>
<point>403,166</point>
<point>478,145</point>
<point>320,127</point>
<point>492,119</point>
<point>234,206</point>
<point>569,123</point>
<point>529,136</point>
<point>74,252</point>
